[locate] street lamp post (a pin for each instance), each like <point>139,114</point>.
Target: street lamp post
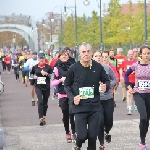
<point>86,3</point>
<point>61,24</point>
<point>145,24</point>
<point>76,27</point>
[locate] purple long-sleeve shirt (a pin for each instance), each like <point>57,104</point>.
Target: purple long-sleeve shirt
<point>142,77</point>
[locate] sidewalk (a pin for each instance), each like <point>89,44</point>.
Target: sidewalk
<point>125,135</point>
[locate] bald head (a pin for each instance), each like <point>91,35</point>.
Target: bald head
<point>130,54</point>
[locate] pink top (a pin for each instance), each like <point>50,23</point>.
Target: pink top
<point>142,77</point>
<point>55,82</point>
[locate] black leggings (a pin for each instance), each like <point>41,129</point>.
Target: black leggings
<point>17,76</point>
<point>107,122</point>
<point>63,104</point>
<point>42,96</point>
<point>142,101</point>
<point>8,66</point>
<point>4,66</point>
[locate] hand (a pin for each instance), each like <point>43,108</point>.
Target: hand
<point>103,86</point>
<point>77,100</point>
<point>44,73</point>
<point>63,79</point>
<point>131,91</point>
<point>35,77</point>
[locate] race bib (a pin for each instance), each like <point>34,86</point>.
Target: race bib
<point>41,80</point>
<point>144,84</point>
<point>86,92</point>
<point>119,61</point>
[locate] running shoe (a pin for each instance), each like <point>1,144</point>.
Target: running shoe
<point>68,138</point>
<point>41,122</point>
<point>75,147</point>
<point>129,113</point>
<point>124,99</point>
<point>108,138</point>
<point>143,147</point>
<point>74,136</point>
<point>33,103</point>
<point>135,108</point>
<point>101,147</point>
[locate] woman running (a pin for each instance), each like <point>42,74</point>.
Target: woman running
<point>60,73</point>
<point>15,64</point>
<point>106,100</point>
<point>141,91</point>
<point>41,73</point>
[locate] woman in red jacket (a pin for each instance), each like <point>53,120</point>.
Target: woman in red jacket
<point>7,60</point>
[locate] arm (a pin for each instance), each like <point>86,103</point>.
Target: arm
<point>112,78</point>
<point>126,76</point>
<point>104,78</point>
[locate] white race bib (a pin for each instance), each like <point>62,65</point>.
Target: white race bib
<point>144,84</point>
<point>119,61</point>
<point>41,80</point>
<point>86,92</point>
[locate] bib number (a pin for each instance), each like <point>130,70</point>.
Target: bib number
<point>86,92</point>
<point>41,80</point>
<point>144,84</point>
<point>119,61</point>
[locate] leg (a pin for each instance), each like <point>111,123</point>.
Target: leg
<point>46,95</point>
<point>81,128</point>
<point>40,104</point>
<point>140,103</point>
<point>123,88</point>
<point>72,122</point>
<point>93,127</point>
<point>66,120</point>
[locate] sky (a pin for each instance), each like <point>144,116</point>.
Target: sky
<point>38,8</point>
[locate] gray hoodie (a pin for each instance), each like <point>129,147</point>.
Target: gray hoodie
<point>108,95</point>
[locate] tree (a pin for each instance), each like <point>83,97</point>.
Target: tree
<point>94,31</point>
<point>69,31</point>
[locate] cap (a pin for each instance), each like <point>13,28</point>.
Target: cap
<point>34,53</point>
<point>41,55</point>
<point>67,48</point>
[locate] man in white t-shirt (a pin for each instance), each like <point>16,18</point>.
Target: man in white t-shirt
<point>29,64</point>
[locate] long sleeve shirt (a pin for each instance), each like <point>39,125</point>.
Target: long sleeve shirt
<point>109,94</point>
<point>79,78</point>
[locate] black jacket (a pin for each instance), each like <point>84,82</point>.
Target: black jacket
<point>79,76</point>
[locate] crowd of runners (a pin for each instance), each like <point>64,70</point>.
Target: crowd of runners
<point>86,89</point>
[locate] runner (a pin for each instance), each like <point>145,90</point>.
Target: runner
<point>60,73</point>
<point>120,58</point>
<point>29,64</point>
<point>15,64</point>
<point>125,66</point>
<point>141,91</point>
<point>106,100</point>
<point>3,62</point>
<point>7,60</point>
<point>136,54</point>
<point>42,73</point>
<point>25,70</point>
<point>82,87</point>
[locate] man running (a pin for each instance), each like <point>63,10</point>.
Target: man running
<point>82,87</point>
<point>125,66</point>
<point>120,58</point>
<point>29,64</point>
